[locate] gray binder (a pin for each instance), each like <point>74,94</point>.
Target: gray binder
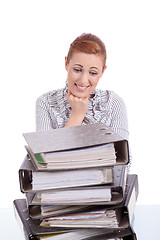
<point>32,229</point>
<point>126,207</point>
<point>91,176</point>
<point>124,210</point>
<point>117,187</point>
<point>77,137</point>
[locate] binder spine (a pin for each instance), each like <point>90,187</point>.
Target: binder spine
<point>26,227</point>
<point>25,175</point>
<point>133,193</point>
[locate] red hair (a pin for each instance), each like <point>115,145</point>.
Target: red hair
<point>88,43</point>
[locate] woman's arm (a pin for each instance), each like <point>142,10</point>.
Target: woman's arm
<point>43,118</point>
<point>119,120</point>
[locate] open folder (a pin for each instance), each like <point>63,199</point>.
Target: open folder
<point>81,146</point>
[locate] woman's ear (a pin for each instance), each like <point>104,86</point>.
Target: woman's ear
<point>104,69</point>
<point>66,63</point>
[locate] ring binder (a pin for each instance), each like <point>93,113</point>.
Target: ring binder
<point>33,229</point>
<point>77,137</point>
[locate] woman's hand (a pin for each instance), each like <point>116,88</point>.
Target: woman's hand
<point>79,108</point>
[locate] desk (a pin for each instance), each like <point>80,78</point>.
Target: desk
<point>146,223</point>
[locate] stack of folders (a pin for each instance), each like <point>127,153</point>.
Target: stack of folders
<point>76,185</point>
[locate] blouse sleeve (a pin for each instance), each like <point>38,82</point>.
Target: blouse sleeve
<point>119,121</point>
<point>43,117</point>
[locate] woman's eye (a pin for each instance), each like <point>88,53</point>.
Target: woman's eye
<point>77,70</point>
<point>93,73</point>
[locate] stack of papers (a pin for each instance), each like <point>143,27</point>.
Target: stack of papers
<point>100,218</point>
<point>75,235</point>
<point>102,155</point>
<point>56,210</point>
<point>75,196</point>
<point>63,179</point>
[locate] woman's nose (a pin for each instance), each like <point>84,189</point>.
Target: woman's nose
<point>84,78</point>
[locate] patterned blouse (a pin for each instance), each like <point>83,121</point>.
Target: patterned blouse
<point>53,111</point>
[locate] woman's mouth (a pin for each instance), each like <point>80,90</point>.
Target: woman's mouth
<point>81,88</point>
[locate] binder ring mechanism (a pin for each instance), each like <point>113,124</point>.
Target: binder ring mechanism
<point>33,237</point>
<point>104,129</point>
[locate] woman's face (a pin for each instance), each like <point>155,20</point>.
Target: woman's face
<point>84,71</point>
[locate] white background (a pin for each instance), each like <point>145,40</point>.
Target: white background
<point>34,39</point>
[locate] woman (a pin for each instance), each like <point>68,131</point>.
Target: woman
<point>79,102</point>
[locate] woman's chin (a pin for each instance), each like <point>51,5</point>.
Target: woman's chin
<point>81,95</point>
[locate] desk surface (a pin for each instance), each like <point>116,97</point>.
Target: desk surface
<point>146,223</point>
